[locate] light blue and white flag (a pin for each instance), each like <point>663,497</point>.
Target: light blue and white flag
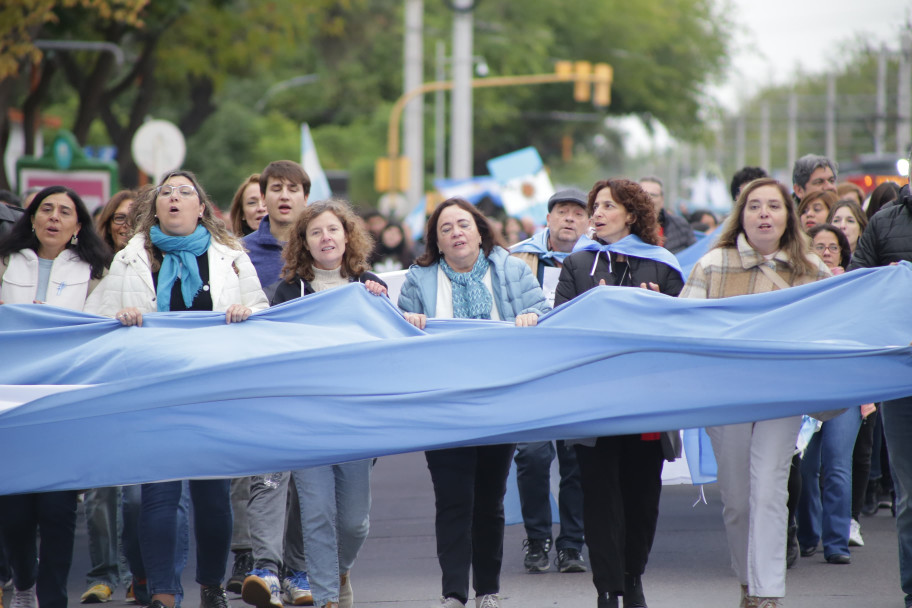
<point>319,185</point>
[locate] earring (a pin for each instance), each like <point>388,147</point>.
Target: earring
<point>74,240</point>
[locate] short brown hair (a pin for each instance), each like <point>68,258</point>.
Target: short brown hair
<point>825,196</point>
<point>488,235</point>
<point>298,258</point>
<point>635,200</point>
<point>285,170</point>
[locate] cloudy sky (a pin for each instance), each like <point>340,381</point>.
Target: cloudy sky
<point>774,37</point>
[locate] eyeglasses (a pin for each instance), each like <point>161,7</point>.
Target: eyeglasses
<point>820,247</point>
<point>184,191</point>
<point>119,219</point>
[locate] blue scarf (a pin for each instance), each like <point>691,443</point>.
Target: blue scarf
<point>471,299</point>
<point>632,246</point>
<point>538,244</point>
<point>180,261</point>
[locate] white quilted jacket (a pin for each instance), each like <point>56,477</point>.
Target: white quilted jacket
<point>232,280</point>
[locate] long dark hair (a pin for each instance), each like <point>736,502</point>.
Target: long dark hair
<point>489,236</point>
<point>89,247</point>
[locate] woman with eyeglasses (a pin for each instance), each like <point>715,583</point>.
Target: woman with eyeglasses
<point>832,245</point>
<point>181,258</point>
<point>113,222</point>
<point>825,507</point>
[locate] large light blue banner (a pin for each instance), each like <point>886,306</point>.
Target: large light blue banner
<point>340,375</point>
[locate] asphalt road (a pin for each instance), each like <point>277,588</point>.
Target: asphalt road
<point>688,567</point>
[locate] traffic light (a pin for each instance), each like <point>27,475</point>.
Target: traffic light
<point>391,174</point>
<point>582,87</point>
<point>603,76</point>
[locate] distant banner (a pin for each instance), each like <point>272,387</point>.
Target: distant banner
<point>319,184</point>
<point>340,375</point>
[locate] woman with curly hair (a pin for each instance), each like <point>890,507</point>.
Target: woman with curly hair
<point>621,475</point>
<point>248,207</point>
<point>182,258</point>
<point>328,248</point>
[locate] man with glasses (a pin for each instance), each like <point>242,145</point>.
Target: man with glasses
<point>813,173</point>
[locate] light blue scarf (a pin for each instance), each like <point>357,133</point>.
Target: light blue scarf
<point>471,299</point>
<point>632,246</point>
<point>180,261</point>
<point>538,244</point>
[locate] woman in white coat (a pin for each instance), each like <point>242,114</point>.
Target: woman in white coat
<point>53,256</point>
<point>181,259</point>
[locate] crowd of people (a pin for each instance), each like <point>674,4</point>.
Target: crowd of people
<point>295,535</point>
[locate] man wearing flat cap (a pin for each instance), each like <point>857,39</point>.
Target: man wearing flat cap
<point>544,252</point>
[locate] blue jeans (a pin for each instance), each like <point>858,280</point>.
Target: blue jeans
<point>827,516</point>
<point>335,518</point>
<point>897,421</point>
<point>533,478</point>
<point>132,507</point>
<point>42,563</point>
<point>159,535</point>
<point>104,523</point>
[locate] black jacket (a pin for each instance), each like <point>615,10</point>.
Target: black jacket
<point>575,278</point>
<point>8,217</point>
<point>888,237</point>
<point>284,291</point>
<point>677,232</point>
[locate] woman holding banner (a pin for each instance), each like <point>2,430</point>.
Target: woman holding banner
<point>328,248</point>
<point>181,259</point>
<point>464,274</point>
<point>621,475</point>
<point>53,256</point>
<point>761,248</point>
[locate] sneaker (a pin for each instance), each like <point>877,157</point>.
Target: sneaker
<point>97,594</point>
<point>536,559</point>
<point>296,589</point>
<point>570,560</point>
<point>451,602</point>
<point>25,598</point>
<point>489,600</point>
<point>261,588</point>
<point>855,539</point>
<point>213,596</point>
<point>243,563</point>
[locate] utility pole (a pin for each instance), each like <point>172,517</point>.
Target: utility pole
<point>765,137</point>
<point>461,111</point>
<point>880,120</point>
<point>440,113</point>
<point>831,117</point>
<point>740,140</point>
<point>414,111</point>
<point>904,96</point>
<point>792,154</point>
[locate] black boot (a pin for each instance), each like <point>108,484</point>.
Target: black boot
<point>607,601</point>
<point>792,550</point>
<point>633,592</point>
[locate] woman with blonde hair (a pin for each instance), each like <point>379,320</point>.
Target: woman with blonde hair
<point>182,258</point>
<point>761,248</point>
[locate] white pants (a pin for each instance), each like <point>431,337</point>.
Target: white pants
<point>754,460</point>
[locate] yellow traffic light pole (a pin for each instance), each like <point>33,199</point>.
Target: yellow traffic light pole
<point>581,73</point>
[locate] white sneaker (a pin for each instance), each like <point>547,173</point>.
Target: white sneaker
<point>490,600</point>
<point>296,589</point>
<point>855,539</point>
<point>25,598</point>
<point>451,602</point>
<point>262,589</point>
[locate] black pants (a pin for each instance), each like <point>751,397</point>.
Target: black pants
<point>861,464</point>
<point>622,482</point>
<point>20,517</point>
<point>469,488</point>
